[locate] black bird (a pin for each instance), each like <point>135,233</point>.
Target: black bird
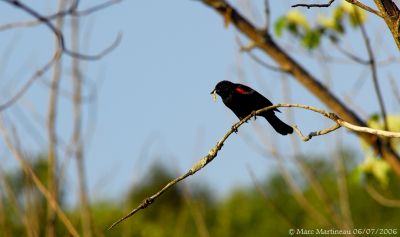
<point>243,100</point>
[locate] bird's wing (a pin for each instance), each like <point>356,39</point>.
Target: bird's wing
<point>244,90</point>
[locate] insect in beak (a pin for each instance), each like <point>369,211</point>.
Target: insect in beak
<point>214,93</point>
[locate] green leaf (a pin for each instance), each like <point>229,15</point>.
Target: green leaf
<point>311,39</point>
<point>280,24</point>
<point>292,28</point>
<point>326,22</point>
<point>298,18</point>
<point>378,168</point>
<point>338,14</point>
<point>356,17</point>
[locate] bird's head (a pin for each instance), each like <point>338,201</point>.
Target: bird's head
<point>223,88</point>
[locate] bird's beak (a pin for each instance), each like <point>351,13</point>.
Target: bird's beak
<point>214,93</point>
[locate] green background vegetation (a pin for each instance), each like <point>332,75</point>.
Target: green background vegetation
<point>268,208</point>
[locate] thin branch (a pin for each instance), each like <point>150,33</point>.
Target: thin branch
<point>71,12</point>
<point>267,15</point>
<point>354,2</point>
<point>248,49</point>
<point>365,7</point>
<point>35,76</point>
<point>55,58</point>
<point>314,5</point>
<point>7,26</point>
<point>317,133</point>
<point>360,129</point>
<point>52,174</point>
<point>95,8</point>
<point>372,63</point>
<point>350,55</point>
<point>395,89</point>
<point>99,55</point>
<point>30,173</point>
<point>86,218</point>
<point>213,152</point>
<point>60,35</point>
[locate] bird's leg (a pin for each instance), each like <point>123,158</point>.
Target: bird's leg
<point>234,128</point>
<point>253,113</point>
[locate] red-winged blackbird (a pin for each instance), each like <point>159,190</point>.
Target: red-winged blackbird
<point>243,100</point>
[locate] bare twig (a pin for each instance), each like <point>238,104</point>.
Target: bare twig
<point>372,64</point>
<point>317,133</point>
<point>395,89</point>
<point>77,142</point>
<point>60,37</point>
<point>30,173</point>
<point>35,76</point>
<point>365,7</point>
<point>354,2</point>
<point>59,34</point>
<point>248,49</point>
<point>350,55</point>
<point>52,174</point>
<point>213,152</point>
<point>314,4</point>
<point>267,15</point>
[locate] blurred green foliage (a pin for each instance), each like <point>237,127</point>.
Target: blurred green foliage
<point>332,27</point>
<point>374,166</point>
<point>266,209</point>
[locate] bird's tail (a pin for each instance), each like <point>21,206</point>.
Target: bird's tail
<point>278,125</point>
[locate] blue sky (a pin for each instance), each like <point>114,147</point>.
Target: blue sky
<point>153,93</point>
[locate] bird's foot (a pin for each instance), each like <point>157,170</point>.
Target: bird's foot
<point>253,114</point>
<point>234,129</point>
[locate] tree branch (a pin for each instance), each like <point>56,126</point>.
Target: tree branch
<point>264,41</point>
<point>365,7</point>
<point>59,34</point>
<point>60,37</point>
<point>213,152</point>
<point>354,2</point>
<point>372,63</point>
<point>314,5</point>
<point>248,49</point>
<point>52,174</point>
<point>35,76</point>
<point>391,15</point>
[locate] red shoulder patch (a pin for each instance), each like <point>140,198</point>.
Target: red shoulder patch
<point>240,90</point>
